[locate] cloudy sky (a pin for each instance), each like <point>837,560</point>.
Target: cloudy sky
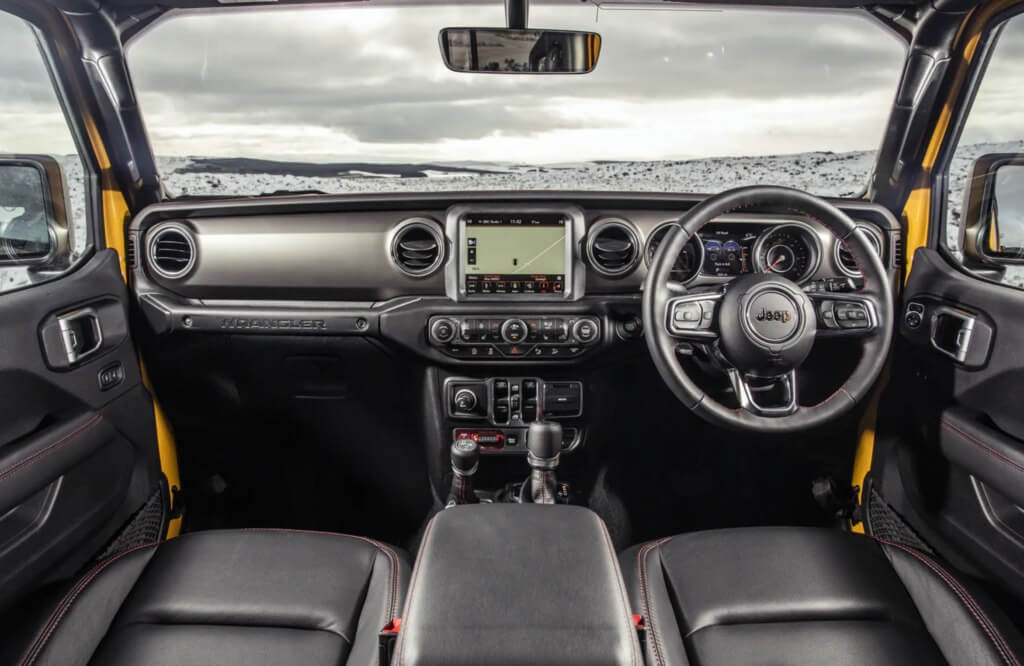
<point>368,84</point>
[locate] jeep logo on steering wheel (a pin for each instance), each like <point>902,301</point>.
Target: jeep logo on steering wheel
<point>774,315</point>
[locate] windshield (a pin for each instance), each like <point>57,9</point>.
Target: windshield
<point>357,99</point>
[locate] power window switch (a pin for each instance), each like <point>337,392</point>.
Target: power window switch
<point>110,376</point>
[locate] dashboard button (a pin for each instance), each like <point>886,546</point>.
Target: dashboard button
<point>490,330</point>
<point>554,330</point>
<point>515,350</point>
<point>472,351</point>
<point>534,326</point>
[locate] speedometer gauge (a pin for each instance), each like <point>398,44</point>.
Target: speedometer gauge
<point>788,250</point>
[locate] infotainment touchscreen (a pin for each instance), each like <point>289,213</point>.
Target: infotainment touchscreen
<point>515,253</point>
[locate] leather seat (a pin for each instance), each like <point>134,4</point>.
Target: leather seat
<point>807,596</point>
<point>228,597</point>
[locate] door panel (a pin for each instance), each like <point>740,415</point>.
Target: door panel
<point>957,467</point>
<point>78,454</point>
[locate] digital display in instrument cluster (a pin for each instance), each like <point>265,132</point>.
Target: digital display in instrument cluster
<point>728,249</point>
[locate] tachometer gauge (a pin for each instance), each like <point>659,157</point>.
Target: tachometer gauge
<point>690,260</point>
<point>788,250</point>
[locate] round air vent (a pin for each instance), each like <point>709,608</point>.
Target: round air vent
<point>613,248</point>
<point>417,247</point>
<point>172,250</point>
<point>844,258</point>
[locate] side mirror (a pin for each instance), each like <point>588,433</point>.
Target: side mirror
<point>993,223</point>
<point>512,51</point>
<point>33,212</point>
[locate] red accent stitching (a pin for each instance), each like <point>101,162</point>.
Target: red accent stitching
<point>50,448</point>
<point>985,447</point>
<point>393,565</point>
<point>630,627</point>
<point>65,605</point>
<point>641,558</point>
<point>412,589</point>
<point>965,597</point>
<point>393,560</point>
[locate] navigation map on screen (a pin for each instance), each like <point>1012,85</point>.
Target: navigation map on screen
<point>515,253</point>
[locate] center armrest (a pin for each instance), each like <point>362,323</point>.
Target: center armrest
<point>517,584</point>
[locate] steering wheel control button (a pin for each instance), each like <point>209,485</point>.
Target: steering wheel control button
<point>687,315</point>
<point>692,315</point>
<point>514,330</point>
<point>827,314</point>
<point>852,315</point>
<point>773,316</point>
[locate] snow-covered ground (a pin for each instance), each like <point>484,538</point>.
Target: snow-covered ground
<point>832,174</point>
<point>828,174</point>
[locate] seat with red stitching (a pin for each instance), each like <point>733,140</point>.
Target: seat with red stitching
<point>228,597</point>
<point>799,595</point>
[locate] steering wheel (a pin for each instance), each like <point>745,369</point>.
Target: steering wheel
<point>761,327</point>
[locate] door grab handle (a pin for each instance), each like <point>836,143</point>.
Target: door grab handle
<point>81,333</point>
<point>957,345</point>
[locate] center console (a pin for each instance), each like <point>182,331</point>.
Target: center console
<point>567,606</point>
<point>497,411</point>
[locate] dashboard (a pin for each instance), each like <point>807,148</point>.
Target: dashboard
<point>553,277</point>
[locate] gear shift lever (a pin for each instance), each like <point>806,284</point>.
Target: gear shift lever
<point>543,445</point>
<point>465,456</point>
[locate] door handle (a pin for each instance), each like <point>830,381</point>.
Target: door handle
<point>81,334</point>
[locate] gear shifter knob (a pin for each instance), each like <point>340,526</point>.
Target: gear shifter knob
<point>465,455</point>
<point>544,441</point>
<point>543,445</point>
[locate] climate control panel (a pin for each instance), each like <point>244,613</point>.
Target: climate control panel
<point>514,337</point>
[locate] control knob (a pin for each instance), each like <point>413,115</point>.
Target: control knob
<point>442,331</point>
<point>465,400</point>
<point>514,330</point>
<point>585,331</point>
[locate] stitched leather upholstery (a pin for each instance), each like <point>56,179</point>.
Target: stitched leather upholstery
<point>514,585</point>
<point>229,597</point>
<point>807,596</point>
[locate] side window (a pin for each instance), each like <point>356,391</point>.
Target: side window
<point>43,212</point>
<point>985,207</point>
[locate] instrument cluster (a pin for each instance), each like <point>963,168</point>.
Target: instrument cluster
<point>727,249</point>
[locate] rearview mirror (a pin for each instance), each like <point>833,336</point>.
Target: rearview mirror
<point>502,51</point>
<point>993,224</point>
<point>33,213</point>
